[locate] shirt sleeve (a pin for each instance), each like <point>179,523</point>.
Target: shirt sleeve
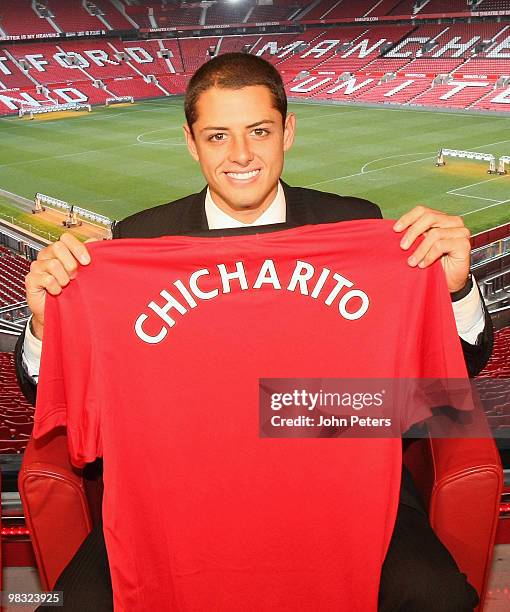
<point>469,315</point>
<point>32,347</point>
<point>67,393</point>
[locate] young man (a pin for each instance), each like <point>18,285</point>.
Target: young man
<point>238,129</point>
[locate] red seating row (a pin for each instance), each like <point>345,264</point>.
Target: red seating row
<point>12,272</point>
<point>18,17</point>
<point>499,364</point>
<point>493,5</point>
<point>135,87</point>
<point>71,16</point>
<point>115,18</point>
<point>269,13</point>
<point>16,415</point>
<point>404,7</point>
<point>324,54</point>
<point>445,6</point>
<point>226,12</point>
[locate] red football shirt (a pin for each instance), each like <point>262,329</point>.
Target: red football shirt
<point>152,357</point>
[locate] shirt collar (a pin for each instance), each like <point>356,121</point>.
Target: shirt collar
<point>218,219</point>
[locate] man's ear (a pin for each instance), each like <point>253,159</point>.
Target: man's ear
<point>289,130</point>
<point>190,141</point>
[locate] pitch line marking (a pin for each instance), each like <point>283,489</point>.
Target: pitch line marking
<point>373,161</point>
<point>484,208</point>
<point>478,183</point>
<point>463,195</point>
<point>140,137</point>
<point>340,178</point>
<point>24,162</point>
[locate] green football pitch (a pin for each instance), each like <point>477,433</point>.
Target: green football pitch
<point>118,160</point>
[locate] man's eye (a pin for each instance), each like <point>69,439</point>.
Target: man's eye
<point>218,137</point>
<point>260,131</point>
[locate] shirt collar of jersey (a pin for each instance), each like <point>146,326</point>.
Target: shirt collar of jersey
<point>217,219</point>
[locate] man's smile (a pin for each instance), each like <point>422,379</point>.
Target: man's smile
<point>243,176</point>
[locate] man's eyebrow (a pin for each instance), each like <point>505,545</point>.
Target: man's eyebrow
<point>225,129</point>
<point>260,123</point>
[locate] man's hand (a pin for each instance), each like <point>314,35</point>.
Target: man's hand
<point>446,237</point>
<point>55,267</point>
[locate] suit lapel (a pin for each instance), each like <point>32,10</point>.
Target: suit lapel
<point>194,218</point>
<point>299,212</point>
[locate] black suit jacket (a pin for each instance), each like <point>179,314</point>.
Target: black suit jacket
<point>304,207</point>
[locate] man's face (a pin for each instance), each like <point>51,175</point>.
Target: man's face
<point>239,140</point>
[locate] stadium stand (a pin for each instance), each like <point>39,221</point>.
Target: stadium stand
<point>17,17</point>
<point>305,88</point>
<point>270,13</point>
<point>383,65</point>
<point>382,8</point>
<point>228,44</point>
<point>16,415</point>
<point>168,16</point>
<point>44,67</point>
<point>275,47</point>
<point>366,49</point>
<point>445,6</point>
<point>114,18</point>
<point>405,7</point>
<point>226,12</point>
<point>498,100</point>
<point>13,269</point>
<point>483,67</point>
<point>146,55</point>
<point>499,364</point>
<point>459,40</point>
<point>140,16</point>
<point>10,74</point>
<point>136,87</point>
<point>194,51</point>
<point>362,8</point>
<point>399,90</point>
<point>175,84</point>
<point>432,67</point>
<point>441,95</point>
<point>388,63</point>
<point>92,95</point>
<point>492,5</point>
<point>71,16</point>
<point>100,58</point>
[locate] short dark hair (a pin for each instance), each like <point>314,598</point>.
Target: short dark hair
<point>234,71</point>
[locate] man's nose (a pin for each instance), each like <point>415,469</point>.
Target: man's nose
<point>240,151</point>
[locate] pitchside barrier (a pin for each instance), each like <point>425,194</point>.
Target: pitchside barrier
<point>31,111</point>
<point>71,211</point>
<point>474,155</point>
<point>120,100</point>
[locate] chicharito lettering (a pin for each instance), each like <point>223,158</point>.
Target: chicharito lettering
<point>331,288</point>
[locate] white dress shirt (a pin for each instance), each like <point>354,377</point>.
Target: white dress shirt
<point>469,315</point>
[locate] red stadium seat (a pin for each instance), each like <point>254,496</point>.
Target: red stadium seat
<point>459,479</point>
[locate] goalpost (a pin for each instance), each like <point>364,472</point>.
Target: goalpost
<point>72,211</point>
<point>32,111</point>
<point>119,100</point>
<point>474,155</point>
